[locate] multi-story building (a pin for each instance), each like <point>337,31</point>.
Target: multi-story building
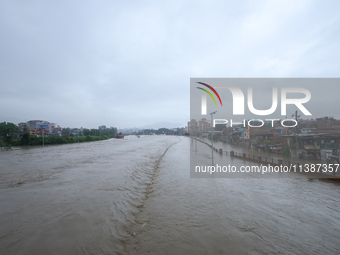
<point>192,127</point>
<point>324,123</point>
<point>22,125</point>
<point>56,131</point>
<point>203,125</point>
<point>42,127</point>
<point>38,127</point>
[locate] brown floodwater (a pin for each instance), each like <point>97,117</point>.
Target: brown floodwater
<point>135,196</point>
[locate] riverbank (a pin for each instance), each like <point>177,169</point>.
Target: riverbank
<point>54,140</point>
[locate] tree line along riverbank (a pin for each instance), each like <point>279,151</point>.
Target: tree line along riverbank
<point>34,140</point>
<point>12,135</point>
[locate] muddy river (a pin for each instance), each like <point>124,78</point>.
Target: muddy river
<point>135,196</point>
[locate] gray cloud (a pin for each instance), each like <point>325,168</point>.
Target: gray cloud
<point>126,64</point>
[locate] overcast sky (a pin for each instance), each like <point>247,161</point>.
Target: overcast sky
<point>129,63</point>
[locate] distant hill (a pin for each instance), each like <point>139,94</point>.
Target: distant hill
<point>162,125</point>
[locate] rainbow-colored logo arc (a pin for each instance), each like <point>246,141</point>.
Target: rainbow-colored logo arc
<point>213,90</point>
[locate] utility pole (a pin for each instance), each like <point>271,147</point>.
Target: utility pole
<point>296,115</point>
<point>196,142</point>
<point>212,138</point>
<point>296,132</point>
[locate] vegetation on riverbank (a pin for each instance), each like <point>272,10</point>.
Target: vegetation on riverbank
<point>10,136</point>
<point>34,140</point>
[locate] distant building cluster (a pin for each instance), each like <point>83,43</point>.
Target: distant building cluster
<point>200,127</point>
<point>129,131</point>
<point>42,127</point>
<point>312,138</point>
<point>150,131</point>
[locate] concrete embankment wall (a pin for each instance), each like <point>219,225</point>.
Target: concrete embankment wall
<point>272,162</point>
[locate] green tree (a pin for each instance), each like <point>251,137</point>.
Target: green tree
<point>7,131</point>
<point>25,139</point>
<point>86,132</point>
<point>2,144</point>
<point>94,132</point>
<point>66,132</point>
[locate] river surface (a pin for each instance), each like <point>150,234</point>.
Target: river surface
<point>135,196</point>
